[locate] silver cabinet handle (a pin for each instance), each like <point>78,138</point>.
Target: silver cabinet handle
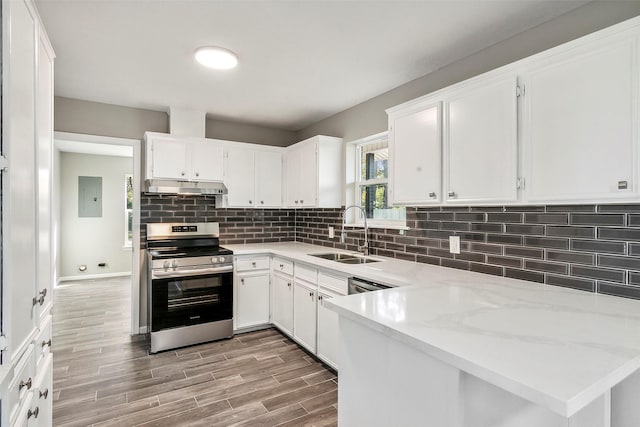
<point>197,174</point>
<point>262,202</point>
<point>250,202</point>
<point>253,264</point>
<point>26,384</point>
<point>281,266</point>
<point>46,343</point>
<point>451,194</point>
<point>432,195</point>
<point>296,202</point>
<point>40,300</point>
<point>289,284</point>
<point>44,393</point>
<point>242,280</point>
<point>33,413</point>
<point>301,201</point>
<point>182,173</point>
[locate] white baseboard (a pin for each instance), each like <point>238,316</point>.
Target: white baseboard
<point>93,276</point>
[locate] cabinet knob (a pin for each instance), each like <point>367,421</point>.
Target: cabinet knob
<point>46,343</point>
<point>33,413</point>
<point>250,202</point>
<point>432,195</point>
<point>44,393</point>
<point>319,297</point>
<point>301,201</point>
<point>253,264</point>
<point>262,202</point>
<point>296,202</point>
<point>242,281</point>
<point>451,194</point>
<point>289,284</point>
<point>182,173</point>
<point>40,300</point>
<point>26,384</point>
<point>197,174</point>
<point>281,266</point>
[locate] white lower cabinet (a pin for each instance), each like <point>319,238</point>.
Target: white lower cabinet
<point>304,313</point>
<point>282,305</point>
<point>327,329</point>
<point>251,292</point>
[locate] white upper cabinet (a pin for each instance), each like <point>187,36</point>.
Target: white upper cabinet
<point>184,159</point>
<point>581,128</point>
<point>481,142</point>
<point>415,151</point>
<point>557,127</point>
<point>253,176</point>
<point>314,175</point>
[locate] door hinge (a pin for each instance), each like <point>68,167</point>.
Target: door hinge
<point>519,91</point>
<point>520,183</point>
<point>4,343</point>
<point>4,163</point>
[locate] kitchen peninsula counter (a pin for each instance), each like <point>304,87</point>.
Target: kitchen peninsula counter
<point>455,348</point>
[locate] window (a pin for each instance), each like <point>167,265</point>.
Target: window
<point>372,183</point>
<point>128,210</point>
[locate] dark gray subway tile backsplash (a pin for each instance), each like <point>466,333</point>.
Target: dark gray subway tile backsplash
<point>588,247</point>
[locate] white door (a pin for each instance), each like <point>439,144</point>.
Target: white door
<point>304,315</point>
<point>582,126</point>
<point>169,159</point>
<point>268,179</point>
<point>308,175</point>
<point>481,149</point>
<point>283,303</point>
<point>19,190</point>
<point>252,300</point>
<point>327,330</point>
<point>239,177</point>
<point>207,161</point>
<point>415,146</point>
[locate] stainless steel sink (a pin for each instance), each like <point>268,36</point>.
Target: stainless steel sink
<point>345,258</point>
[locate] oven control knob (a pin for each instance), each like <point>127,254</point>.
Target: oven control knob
<point>165,264</point>
<point>221,259</point>
<point>174,263</point>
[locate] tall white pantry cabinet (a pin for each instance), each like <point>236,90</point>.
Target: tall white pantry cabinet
<point>27,269</point>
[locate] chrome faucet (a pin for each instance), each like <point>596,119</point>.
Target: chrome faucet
<point>364,248</point>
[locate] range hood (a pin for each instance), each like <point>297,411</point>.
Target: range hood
<point>155,186</point>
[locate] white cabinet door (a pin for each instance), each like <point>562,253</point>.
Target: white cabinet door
<point>581,121</point>
<point>268,179</point>
<point>293,171</point>
<point>415,151</point>
<point>43,392</point>
<point>19,223</point>
<point>169,159</point>
<point>207,161</point>
<point>239,177</point>
<point>327,329</point>
<point>481,149</point>
<point>304,314</point>
<point>282,312</point>
<point>308,177</point>
<point>44,117</point>
<point>252,300</point>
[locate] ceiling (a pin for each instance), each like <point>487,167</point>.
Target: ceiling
<point>300,61</point>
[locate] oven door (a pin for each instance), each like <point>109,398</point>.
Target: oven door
<point>191,300</point>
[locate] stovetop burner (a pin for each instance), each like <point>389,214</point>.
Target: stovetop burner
<point>177,240</point>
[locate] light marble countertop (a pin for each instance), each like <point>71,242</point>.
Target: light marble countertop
<point>557,347</point>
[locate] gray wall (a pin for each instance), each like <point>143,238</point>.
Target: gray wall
<point>370,118</point>
<point>94,118</point>
<point>93,240</point>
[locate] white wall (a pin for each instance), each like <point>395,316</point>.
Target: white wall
<point>93,240</point>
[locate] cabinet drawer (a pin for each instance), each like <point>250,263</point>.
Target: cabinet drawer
<point>42,343</point>
<point>282,265</point>
<point>334,283</point>
<point>306,273</point>
<point>252,263</point>
<point>22,382</point>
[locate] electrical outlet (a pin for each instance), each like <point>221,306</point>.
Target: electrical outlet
<point>331,233</point>
<point>454,244</point>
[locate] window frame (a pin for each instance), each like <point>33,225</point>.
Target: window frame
<point>128,242</point>
<point>354,182</point>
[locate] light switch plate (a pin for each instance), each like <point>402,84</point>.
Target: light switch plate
<point>454,244</point>
<point>331,233</point>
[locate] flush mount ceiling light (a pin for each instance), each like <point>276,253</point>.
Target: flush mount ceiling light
<point>216,57</point>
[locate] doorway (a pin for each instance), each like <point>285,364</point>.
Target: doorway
<point>96,215</point>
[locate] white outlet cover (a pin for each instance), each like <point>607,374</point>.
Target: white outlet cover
<point>331,233</point>
<point>454,244</point>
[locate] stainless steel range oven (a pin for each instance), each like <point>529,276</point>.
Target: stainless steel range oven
<point>190,285</point>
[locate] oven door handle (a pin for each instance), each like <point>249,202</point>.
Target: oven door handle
<point>186,273</point>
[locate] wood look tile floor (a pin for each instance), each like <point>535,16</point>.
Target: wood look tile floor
<point>102,376</point>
